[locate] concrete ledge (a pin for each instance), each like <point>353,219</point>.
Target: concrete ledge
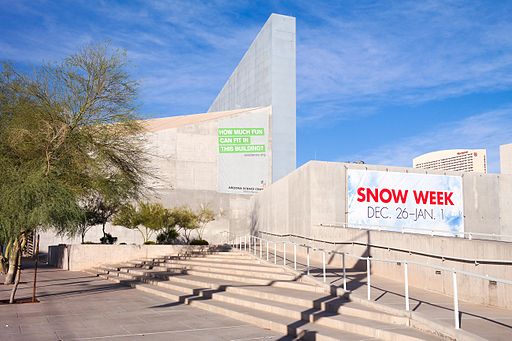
<point>77,257</point>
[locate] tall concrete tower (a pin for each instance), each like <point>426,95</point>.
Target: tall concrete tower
<point>266,76</point>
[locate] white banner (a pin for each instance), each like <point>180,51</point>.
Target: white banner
<point>417,203</point>
<point>243,151</point>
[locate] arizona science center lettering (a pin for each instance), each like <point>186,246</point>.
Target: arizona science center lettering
<point>402,201</point>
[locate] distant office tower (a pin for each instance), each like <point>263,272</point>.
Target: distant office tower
<point>458,160</point>
<point>506,158</point>
<point>266,77</point>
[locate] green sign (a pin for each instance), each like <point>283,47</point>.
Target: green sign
<point>240,140</point>
<point>241,131</point>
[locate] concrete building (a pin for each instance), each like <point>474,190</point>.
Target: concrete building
<point>239,159</point>
<point>506,158</point>
<point>244,143</point>
<point>459,160</point>
<point>266,77</point>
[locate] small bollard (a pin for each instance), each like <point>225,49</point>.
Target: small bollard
<point>295,256</point>
<point>308,260</point>
<point>455,301</point>
<point>406,283</point>
<point>344,271</point>
<point>323,264</point>
<point>284,253</point>
<point>369,283</point>
<point>275,252</point>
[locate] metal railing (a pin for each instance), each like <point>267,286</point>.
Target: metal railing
<point>255,245</point>
<point>417,230</point>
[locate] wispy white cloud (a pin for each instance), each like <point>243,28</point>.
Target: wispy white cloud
<point>403,52</point>
<point>352,57</point>
<point>485,130</point>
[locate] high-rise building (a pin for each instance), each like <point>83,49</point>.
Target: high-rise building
<point>506,158</point>
<point>458,160</point>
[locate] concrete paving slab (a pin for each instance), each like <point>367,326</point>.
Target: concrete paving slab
<point>78,306</point>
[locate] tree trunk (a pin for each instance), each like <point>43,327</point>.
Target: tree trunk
<point>3,260</point>
<point>104,234</point>
<point>18,274</point>
<point>83,235</point>
<point>13,264</point>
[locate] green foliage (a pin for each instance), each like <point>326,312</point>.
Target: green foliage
<point>185,220</point>
<point>204,216</point>
<point>149,242</point>
<point>168,236</point>
<point>150,218</point>
<point>63,132</point>
<point>147,218</point>
<point>198,242</point>
<point>67,135</point>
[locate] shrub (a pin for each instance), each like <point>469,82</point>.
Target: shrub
<point>198,242</point>
<point>149,242</point>
<point>108,239</point>
<point>167,237</point>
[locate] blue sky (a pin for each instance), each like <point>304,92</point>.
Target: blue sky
<point>379,81</point>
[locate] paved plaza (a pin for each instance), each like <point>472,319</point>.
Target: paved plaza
<point>79,306</point>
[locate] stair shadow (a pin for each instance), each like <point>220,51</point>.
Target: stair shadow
<point>307,315</point>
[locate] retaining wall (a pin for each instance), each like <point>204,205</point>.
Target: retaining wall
<point>315,194</point>
<point>77,257</point>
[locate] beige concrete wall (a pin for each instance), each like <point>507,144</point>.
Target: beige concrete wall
<point>232,214</point>
<point>315,194</point>
<point>506,158</point>
<point>185,161</point>
<point>77,257</point>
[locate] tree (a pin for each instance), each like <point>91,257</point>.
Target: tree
<point>204,216</point>
<point>99,206</point>
<point>147,218</point>
<point>168,235</point>
<point>185,220</point>
<point>63,130</point>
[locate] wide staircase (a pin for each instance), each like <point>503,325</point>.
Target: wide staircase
<point>237,285</point>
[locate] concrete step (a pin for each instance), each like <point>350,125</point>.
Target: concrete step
<point>257,280</point>
<point>119,280</point>
<point>285,325</point>
<point>203,279</point>
<point>281,324</point>
<point>229,254</point>
<point>153,273</point>
<point>275,275</point>
<point>305,299</point>
<point>225,265</point>
<point>203,282</point>
<point>123,275</point>
<point>322,301</point>
<point>279,308</point>
<point>215,268</point>
<point>225,260</point>
<point>291,311</point>
<point>370,328</point>
<point>172,295</point>
<point>182,287</point>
